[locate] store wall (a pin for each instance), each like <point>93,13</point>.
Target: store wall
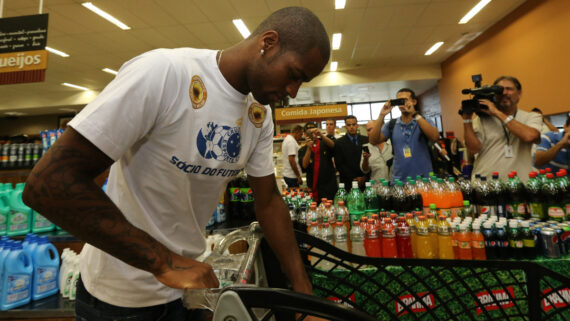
<point>531,44</point>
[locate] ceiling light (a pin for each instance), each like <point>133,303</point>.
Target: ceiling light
<point>57,52</point>
<point>14,113</point>
<point>334,65</point>
<point>74,86</point>
<point>339,4</point>
<point>474,11</point>
<point>241,28</point>
<point>105,15</point>
<point>111,71</point>
<point>433,48</point>
<point>336,40</point>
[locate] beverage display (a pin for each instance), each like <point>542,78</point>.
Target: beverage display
<point>389,246</point>
<point>425,248</point>
<point>445,246</point>
<point>404,238</point>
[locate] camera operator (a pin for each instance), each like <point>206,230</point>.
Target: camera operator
<point>503,136</point>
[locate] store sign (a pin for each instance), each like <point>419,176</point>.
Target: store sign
<point>309,113</point>
<point>558,299</point>
<point>490,300</point>
<point>412,304</point>
<point>23,57</point>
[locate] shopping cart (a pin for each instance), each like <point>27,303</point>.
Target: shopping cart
<point>414,289</point>
<point>244,295</point>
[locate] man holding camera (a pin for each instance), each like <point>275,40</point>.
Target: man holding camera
<point>503,135</point>
<point>409,135</point>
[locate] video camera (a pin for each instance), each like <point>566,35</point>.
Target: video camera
<point>470,106</point>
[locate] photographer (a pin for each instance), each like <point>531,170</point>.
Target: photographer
<point>409,135</point>
<point>503,135</point>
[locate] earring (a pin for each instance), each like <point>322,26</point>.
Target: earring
<point>262,52</point>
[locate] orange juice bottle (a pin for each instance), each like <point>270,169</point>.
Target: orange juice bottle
<point>413,232</point>
<point>432,224</point>
<point>464,243</point>
<point>445,247</point>
<point>478,243</point>
<point>456,198</point>
<point>454,243</point>
<point>424,245</point>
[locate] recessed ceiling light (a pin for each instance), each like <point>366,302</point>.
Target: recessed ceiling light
<point>474,11</point>
<point>433,48</point>
<point>57,52</point>
<point>105,15</point>
<point>336,40</point>
<point>14,113</point>
<point>241,28</point>
<point>74,86</point>
<point>334,65</point>
<point>111,71</point>
<point>339,4</point>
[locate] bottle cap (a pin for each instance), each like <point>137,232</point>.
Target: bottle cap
<point>340,203</point>
<point>466,203</point>
<point>452,179</point>
<point>432,206</point>
<point>341,185</point>
<point>367,184</point>
<point>525,224</point>
<point>354,184</point>
<point>513,224</point>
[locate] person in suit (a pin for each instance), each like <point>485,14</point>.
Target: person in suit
<point>348,150</point>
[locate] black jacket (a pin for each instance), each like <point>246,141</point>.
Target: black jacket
<point>347,159</point>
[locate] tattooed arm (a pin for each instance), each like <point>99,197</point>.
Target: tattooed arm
<point>61,187</point>
<point>273,216</point>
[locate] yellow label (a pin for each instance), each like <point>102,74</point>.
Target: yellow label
<point>22,61</point>
<point>288,114</point>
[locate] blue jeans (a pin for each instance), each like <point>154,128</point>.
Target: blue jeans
<point>291,182</point>
<point>89,308</point>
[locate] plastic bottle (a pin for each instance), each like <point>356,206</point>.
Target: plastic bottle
<point>389,244</point>
<point>497,193</point>
<point>456,198</point>
<point>518,197</point>
<point>373,244</point>
<point>340,195</point>
<point>432,223</point>
<point>502,241</point>
<point>16,278</point>
<point>529,245</point>
<point>464,243</point>
<point>444,243</point>
<point>424,247</point>
<point>399,197</point>
<point>343,212</point>
<point>68,278</point>
<point>415,196</point>
<point>535,197</point>
<point>413,232</point>
<point>490,241</point>
<point>454,245</point>
<point>46,263</point>
<point>73,284</point>
<point>355,202</point>
<point>370,198</point>
<point>330,213</point>
<point>20,218</point>
<point>427,196</point>
<point>564,184</point>
<point>312,215</point>
<point>516,243</point>
<point>357,239</point>
<point>403,239</point>
<point>315,232</point>
<point>341,236</point>
<point>234,204</point>
<point>478,243</point>
<point>554,210</point>
<point>4,212</point>
<point>384,196</point>
<point>443,199</point>
<point>483,198</point>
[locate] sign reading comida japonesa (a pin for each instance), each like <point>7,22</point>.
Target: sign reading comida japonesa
<point>23,57</point>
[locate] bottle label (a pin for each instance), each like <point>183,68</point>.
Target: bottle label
<point>456,211</point>
<point>464,245</point>
<point>46,279</point>
<point>443,230</point>
<point>235,194</point>
<point>521,209</point>
<point>17,287</point>
<point>422,230</point>
<point>478,244</point>
<point>567,210</point>
<point>2,224</point>
<point>18,221</point>
<point>519,244</point>
<point>484,209</point>
<point>432,229</point>
<point>40,221</point>
<point>510,209</point>
<point>444,211</point>
<point>535,210</point>
<point>555,212</point>
<point>528,243</point>
<point>404,230</point>
<point>454,242</point>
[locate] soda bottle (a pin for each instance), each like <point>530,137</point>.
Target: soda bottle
<point>432,224</point>
<point>399,197</point>
<point>464,243</point>
<point>415,196</point>
<point>355,202</point>
<point>518,195</point>
<point>490,241</point>
<point>445,246</point>
<point>478,243</point>
<point>370,198</point>
<point>424,247</point>
<point>389,246</point>
<point>234,204</point>
<point>564,192</point>
<point>535,197</point>
<point>502,241</point>
<point>456,197</point>
<point>467,210</point>
<point>529,245</point>
<point>247,201</point>
<point>372,243</point>
<point>483,197</point>
<point>341,236</point>
<point>384,196</point>
<point>413,232</point>
<point>497,193</point>
<point>404,239</point>
<point>357,239</point>
<point>541,176</point>
<point>553,204</point>
<point>427,196</point>
<point>340,195</point>
<point>515,241</point>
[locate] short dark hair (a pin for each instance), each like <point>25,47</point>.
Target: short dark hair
<point>418,105</point>
<point>536,110</point>
<point>299,29</point>
<point>297,129</point>
<point>310,125</point>
<point>330,119</point>
<point>350,117</point>
<point>510,78</point>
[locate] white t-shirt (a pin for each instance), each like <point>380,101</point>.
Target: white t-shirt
<point>289,147</point>
<point>178,132</point>
<point>489,131</point>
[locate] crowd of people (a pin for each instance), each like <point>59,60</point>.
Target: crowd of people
<point>500,137</point>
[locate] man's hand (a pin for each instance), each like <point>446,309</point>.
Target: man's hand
<point>365,155</point>
<point>309,143</point>
<point>492,109</point>
<point>184,273</point>
<point>299,180</point>
<point>385,109</point>
<point>566,139</point>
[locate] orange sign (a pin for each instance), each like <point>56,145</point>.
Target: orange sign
<point>23,61</point>
<point>309,113</point>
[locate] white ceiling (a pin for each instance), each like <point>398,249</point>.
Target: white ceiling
<point>376,34</point>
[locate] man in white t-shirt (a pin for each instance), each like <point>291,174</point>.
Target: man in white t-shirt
<point>290,151</point>
<point>176,125</point>
<point>502,137</point>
